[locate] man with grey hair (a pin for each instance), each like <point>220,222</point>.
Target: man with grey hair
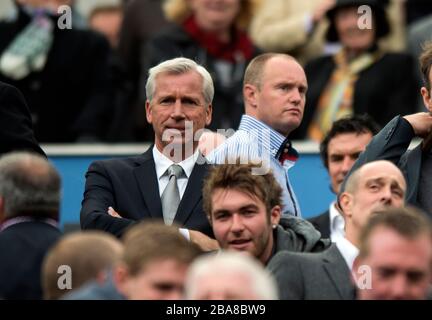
<point>229,276</point>
<point>165,182</point>
<point>29,213</point>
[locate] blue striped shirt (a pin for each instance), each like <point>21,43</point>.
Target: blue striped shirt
<point>256,142</point>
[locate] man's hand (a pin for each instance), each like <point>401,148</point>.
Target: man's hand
<point>113,213</point>
<point>204,242</point>
<point>421,123</point>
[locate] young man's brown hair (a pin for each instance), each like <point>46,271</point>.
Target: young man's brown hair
<point>240,177</point>
<point>149,241</point>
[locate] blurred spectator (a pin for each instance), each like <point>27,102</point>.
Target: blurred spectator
<point>63,73</point>
<point>244,209</point>
<point>213,34</point>
<point>291,26</point>
<point>339,150</point>
<point>229,276</point>
<point>16,130</point>
<point>298,27</point>
<point>90,255</point>
<point>396,247</point>
<point>360,78</point>
<point>142,20</point>
<point>29,213</point>
<point>107,20</point>
<point>153,266</point>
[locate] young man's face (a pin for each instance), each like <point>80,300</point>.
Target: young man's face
<point>342,151</point>
<point>240,222</point>
<point>400,267</point>
<point>159,280</point>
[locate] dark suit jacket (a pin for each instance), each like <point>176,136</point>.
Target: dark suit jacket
<point>392,143</point>
<point>130,186</point>
<point>16,131</point>
<point>322,224</point>
<point>22,249</point>
<point>312,276</point>
<point>72,96</point>
<point>385,89</point>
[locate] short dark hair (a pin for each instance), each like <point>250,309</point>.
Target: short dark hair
<point>357,124</point>
<point>426,63</point>
<point>408,222</point>
<point>240,177</point>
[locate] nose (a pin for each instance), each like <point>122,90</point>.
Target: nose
<point>177,111</point>
<point>386,195</point>
<point>295,96</point>
<point>237,225</point>
<point>347,165</point>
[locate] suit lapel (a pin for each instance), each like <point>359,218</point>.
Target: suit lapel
<point>193,193</point>
<point>338,272</point>
<point>147,180</point>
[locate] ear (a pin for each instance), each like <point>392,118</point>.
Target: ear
<point>275,215</point>
<point>427,99</point>
<point>209,112</point>
<point>346,202</point>
<point>149,110</point>
<point>121,279</point>
<point>250,96</point>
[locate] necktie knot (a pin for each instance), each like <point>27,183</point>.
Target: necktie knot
<point>175,170</point>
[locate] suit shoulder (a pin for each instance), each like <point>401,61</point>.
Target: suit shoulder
<point>118,163</point>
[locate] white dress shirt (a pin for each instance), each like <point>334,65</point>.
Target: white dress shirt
<point>348,250</point>
<point>162,163</point>
<point>337,223</point>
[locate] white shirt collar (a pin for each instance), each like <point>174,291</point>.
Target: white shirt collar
<point>337,223</point>
<point>162,163</point>
<point>348,251</point>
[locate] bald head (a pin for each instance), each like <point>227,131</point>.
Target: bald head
<point>256,68</point>
<point>373,187</point>
<point>380,168</point>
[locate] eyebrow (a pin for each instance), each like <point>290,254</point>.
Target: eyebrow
<point>243,208</point>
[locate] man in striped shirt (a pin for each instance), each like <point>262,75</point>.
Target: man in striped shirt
<point>274,91</point>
